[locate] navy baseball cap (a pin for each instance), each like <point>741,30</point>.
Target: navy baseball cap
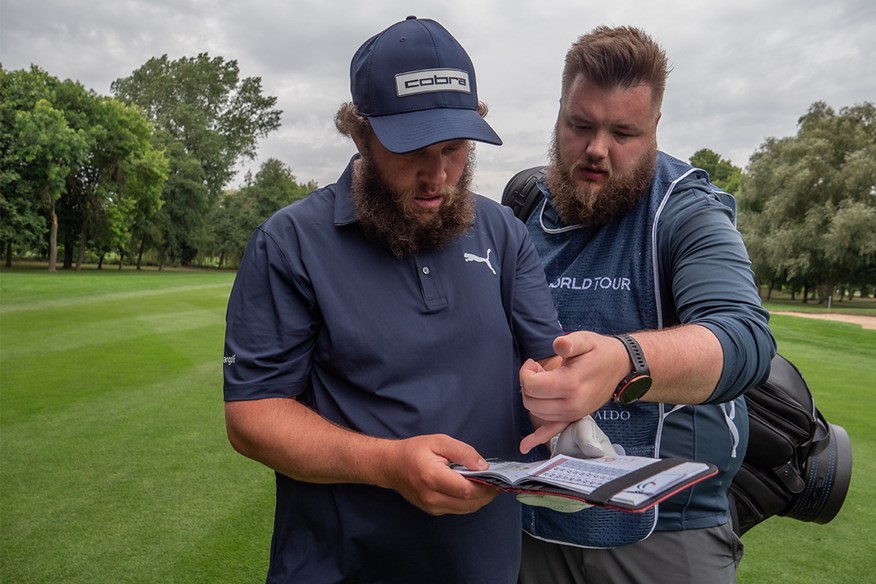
<point>416,85</point>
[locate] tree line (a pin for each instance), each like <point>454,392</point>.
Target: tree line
<point>807,204</point>
<point>142,173</point>
<point>145,174</point>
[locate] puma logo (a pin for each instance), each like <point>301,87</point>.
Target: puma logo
<point>470,257</point>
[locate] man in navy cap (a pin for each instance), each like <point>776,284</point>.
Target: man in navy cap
<point>374,336</point>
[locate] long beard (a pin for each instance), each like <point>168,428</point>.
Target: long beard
<point>384,216</point>
<point>584,205</point>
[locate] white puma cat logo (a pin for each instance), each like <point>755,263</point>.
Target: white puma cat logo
<point>470,257</point>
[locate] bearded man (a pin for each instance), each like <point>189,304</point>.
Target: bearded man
<point>377,328</point>
<point>652,281</point>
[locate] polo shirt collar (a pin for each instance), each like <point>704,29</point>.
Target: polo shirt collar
<point>345,209</point>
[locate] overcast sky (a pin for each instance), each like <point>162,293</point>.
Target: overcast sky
<point>743,70</point>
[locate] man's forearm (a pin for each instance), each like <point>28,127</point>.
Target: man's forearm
<point>294,440</point>
<point>685,361</point>
<point>297,442</point>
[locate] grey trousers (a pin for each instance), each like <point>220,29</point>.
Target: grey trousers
<point>696,556</point>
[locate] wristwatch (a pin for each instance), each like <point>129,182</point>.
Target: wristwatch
<point>638,381</point>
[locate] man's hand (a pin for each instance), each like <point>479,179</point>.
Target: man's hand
<point>583,439</point>
<point>418,468</point>
<point>592,365</point>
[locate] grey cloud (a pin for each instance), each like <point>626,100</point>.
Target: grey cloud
<point>743,70</point>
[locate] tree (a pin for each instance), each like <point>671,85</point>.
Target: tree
<point>125,210</point>
<point>84,160</point>
<point>38,148</point>
<point>122,173</point>
<point>808,202</point>
<point>851,244</point>
<point>721,171</point>
<point>239,212</point>
<point>273,187</point>
<point>186,205</point>
<point>229,229</point>
<point>215,117</point>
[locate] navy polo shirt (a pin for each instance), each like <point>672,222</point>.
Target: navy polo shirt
<point>391,348</point>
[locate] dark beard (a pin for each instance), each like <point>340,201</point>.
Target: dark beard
<point>579,205</point>
<point>383,216</point>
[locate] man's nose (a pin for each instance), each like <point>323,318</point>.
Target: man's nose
<point>433,170</point>
<point>598,145</point>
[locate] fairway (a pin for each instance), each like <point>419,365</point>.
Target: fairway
<point>114,465</point>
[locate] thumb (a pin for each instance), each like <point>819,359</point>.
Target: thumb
<point>573,344</point>
<point>462,453</point>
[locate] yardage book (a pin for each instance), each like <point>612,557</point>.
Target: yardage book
<point>626,483</point>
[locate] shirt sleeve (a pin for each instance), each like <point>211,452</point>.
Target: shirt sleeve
<point>534,317</point>
<point>707,274</point>
<point>270,323</point>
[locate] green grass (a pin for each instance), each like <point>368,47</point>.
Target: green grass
<point>864,306</point>
<point>114,465</point>
<point>838,361</point>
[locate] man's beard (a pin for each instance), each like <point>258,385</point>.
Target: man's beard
<point>384,216</point>
<point>595,207</point>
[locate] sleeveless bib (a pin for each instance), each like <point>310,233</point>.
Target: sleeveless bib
<point>604,280</point>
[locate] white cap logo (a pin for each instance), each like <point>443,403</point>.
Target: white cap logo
<point>430,80</point>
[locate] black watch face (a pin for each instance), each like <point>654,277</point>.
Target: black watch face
<point>635,389</point>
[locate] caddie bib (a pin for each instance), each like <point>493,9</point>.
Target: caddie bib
<point>604,280</point>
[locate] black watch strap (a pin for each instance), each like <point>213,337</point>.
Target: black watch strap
<point>638,382</point>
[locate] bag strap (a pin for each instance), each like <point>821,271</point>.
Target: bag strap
<point>522,192</point>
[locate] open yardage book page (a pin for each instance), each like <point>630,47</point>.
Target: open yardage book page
<point>511,472</point>
<point>587,474</point>
<point>584,475</point>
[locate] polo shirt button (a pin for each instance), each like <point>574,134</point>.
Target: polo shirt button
<point>426,270</point>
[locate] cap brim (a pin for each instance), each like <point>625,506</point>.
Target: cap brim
<point>405,132</point>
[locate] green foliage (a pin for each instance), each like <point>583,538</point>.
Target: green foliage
<point>208,120</point>
<point>273,187</point>
<point>122,168</point>
<point>240,212</point>
<point>86,156</point>
<point>202,103</point>
<point>108,180</point>
<point>721,171</point>
<point>186,205</point>
<point>807,204</point>
<point>38,149</point>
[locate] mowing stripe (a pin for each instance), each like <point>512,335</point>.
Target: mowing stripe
<point>66,302</point>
